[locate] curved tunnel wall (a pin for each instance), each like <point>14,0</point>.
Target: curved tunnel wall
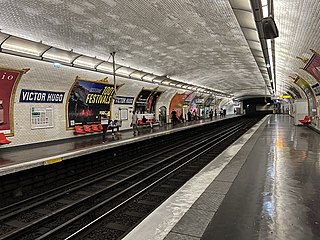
<point>44,76</point>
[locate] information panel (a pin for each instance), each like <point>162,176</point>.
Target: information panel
<point>123,112</point>
<point>41,117</point>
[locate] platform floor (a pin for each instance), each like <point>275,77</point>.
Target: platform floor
<point>265,186</point>
<point>18,158</point>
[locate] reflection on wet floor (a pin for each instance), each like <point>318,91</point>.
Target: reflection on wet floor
<point>278,198</point>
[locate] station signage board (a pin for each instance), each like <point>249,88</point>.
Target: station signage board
<point>123,100</point>
<point>37,96</point>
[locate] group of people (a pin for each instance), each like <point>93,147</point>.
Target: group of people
<point>222,113</point>
<point>212,113</point>
<point>178,119</point>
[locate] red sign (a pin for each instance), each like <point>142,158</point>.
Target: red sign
<point>8,82</point>
<point>177,103</point>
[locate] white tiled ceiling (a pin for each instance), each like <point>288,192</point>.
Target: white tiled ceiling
<point>193,41</point>
<point>298,22</point>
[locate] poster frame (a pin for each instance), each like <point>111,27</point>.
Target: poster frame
<point>12,97</point>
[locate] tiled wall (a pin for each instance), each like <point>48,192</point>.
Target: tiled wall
<point>43,76</point>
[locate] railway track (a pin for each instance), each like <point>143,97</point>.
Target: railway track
<point>109,203</point>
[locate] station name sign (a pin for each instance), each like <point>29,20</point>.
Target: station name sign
<point>37,96</point>
<point>123,100</point>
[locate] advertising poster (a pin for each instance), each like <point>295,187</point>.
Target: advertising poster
<point>87,99</point>
<point>146,101</point>
<point>304,85</point>
<point>313,66</point>
<point>190,96</point>
<point>9,79</point>
<point>177,103</point>
<point>196,101</point>
<point>208,101</point>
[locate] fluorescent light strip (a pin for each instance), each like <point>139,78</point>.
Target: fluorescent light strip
<point>27,48</point>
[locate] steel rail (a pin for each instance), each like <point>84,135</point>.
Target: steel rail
<point>205,146</point>
<point>13,209</point>
<point>120,182</point>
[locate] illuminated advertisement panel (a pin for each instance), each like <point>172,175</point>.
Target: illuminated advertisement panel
<point>87,99</point>
<point>208,101</point>
<point>177,103</point>
<point>9,79</point>
<point>146,101</point>
<point>313,66</point>
<point>190,96</point>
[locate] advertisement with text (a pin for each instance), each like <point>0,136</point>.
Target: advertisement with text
<point>87,99</point>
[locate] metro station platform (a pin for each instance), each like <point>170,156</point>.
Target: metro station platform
<point>18,158</point>
<point>264,186</point>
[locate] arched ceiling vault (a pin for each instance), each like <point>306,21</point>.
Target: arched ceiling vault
<point>201,45</point>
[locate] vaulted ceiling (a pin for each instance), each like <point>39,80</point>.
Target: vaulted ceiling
<point>200,42</point>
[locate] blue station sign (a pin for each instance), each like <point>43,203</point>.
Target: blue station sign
<point>37,96</point>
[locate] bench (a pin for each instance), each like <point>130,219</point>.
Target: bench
<point>306,120</point>
<point>87,129</point>
<point>96,128</point>
<point>150,122</point>
<point>93,128</point>
<point>141,123</point>
<point>3,139</point>
<point>78,130</point>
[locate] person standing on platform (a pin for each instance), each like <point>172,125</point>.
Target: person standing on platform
<point>134,123</point>
<point>195,115</point>
<point>221,113</point>
<point>211,114</point>
<point>215,113</point>
<point>181,117</point>
<point>160,119</point>
<point>174,117</point>
<point>104,123</point>
<point>189,116</point>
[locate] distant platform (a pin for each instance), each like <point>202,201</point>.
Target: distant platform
<point>18,158</point>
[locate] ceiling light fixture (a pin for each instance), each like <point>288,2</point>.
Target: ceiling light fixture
<point>58,57</point>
